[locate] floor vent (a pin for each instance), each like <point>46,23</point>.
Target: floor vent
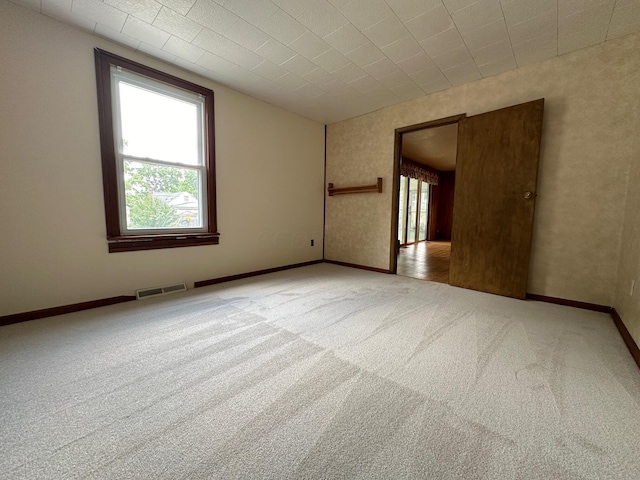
<point>157,291</point>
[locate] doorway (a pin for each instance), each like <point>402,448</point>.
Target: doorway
<point>426,179</point>
<point>495,190</point>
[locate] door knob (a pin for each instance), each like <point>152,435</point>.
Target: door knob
<point>528,195</point>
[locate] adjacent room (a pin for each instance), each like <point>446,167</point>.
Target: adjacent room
<point>425,202</point>
<point>319,239</point>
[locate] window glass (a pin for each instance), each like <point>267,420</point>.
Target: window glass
<point>424,210</point>
<point>161,197</point>
<point>413,210</point>
<point>402,218</point>
<point>158,126</point>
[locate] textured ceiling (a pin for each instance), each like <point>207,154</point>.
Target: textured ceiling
<point>334,59</point>
<point>435,147</point>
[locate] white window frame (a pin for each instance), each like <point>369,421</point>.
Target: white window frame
<point>120,75</point>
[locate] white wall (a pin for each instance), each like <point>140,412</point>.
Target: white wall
<point>53,249</point>
<point>587,140</point>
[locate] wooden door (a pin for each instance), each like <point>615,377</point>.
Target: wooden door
<point>496,174</point>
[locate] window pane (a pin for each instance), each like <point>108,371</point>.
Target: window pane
<point>401,208</point>
<point>157,126</point>
<point>413,207</point>
<point>424,210</point>
<point>161,197</point>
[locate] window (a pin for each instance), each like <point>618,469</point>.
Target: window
<point>157,143</point>
<point>413,210</point>
<point>424,211</point>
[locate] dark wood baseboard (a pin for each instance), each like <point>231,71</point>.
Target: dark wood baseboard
<point>51,312</point>
<point>569,303</point>
<point>617,320</point>
<point>361,267</point>
<point>215,281</point>
<point>77,307</point>
<point>626,336</point>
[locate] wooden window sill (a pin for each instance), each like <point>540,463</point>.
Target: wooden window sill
<point>153,242</point>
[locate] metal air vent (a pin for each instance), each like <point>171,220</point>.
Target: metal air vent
<point>156,291</point>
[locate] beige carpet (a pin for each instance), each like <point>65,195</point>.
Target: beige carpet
<point>318,373</point>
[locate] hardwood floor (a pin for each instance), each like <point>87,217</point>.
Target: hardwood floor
<point>426,261</point>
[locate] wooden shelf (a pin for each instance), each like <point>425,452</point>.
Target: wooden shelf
<point>363,189</point>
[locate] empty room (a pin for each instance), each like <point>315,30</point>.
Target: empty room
<point>207,211</point>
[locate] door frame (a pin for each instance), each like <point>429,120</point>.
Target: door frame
<point>393,258</point>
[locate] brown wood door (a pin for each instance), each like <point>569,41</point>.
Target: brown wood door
<point>496,175</point>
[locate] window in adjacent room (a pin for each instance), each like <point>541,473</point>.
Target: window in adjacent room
<point>156,134</point>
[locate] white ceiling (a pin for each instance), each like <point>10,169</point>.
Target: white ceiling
<point>334,59</point>
<point>435,147</point>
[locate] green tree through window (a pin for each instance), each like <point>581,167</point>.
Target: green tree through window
<point>143,181</point>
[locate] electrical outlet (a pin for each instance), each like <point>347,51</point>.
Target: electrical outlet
<point>633,284</point>
<point>312,242</point>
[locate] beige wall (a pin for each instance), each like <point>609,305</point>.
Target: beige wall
<point>52,244</point>
<point>627,305</point>
<point>586,149</point>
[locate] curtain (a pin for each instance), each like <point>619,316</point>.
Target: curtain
<point>412,169</point>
